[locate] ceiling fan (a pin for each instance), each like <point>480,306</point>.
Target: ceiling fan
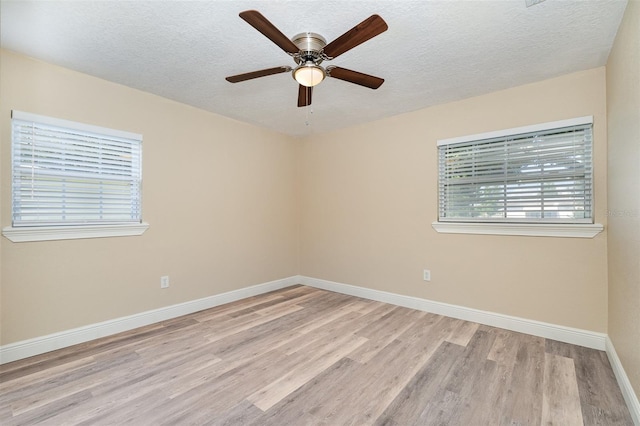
<point>309,50</point>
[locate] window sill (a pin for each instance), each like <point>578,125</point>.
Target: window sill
<point>521,229</point>
<point>50,233</point>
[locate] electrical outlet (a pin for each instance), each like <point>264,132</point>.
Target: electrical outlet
<point>164,281</point>
<point>426,275</point>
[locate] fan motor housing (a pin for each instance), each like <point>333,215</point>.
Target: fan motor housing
<point>310,45</point>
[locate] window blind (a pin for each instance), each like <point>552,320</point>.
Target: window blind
<point>66,173</point>
<point>544,175</point>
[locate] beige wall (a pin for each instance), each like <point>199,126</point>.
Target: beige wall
<point>220,197</point>
<point>353,206</point>
<point>623,108</point>
<point>370,195</point>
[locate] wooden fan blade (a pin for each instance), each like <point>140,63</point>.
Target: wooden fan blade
<point>304,95</point>
<point>255,74</point>
<point>365,30</point>
<point>356,77</point>
<point>262,24</point>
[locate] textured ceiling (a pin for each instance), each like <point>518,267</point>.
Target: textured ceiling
<point>434,51</point>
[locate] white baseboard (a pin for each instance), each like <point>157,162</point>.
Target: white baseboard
<point>589,339</point>
<point>39,345</point>
<point>623,381</point>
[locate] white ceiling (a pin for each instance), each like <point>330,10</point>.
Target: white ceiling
<point>433,52</point>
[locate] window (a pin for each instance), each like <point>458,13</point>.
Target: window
<point>531,175</point>
<point>73,176</point>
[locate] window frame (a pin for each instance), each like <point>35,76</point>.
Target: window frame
<point>44,231</point>
<point>577,229</point>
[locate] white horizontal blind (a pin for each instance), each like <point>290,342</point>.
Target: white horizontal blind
<point>537,176</point>
<point>66,173</point>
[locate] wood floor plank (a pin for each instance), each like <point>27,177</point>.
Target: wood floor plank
<point>125,394</point>
<point>315,334</point>
<point>325,318</point>
<point>504,353</point>
<point>387,323</point>
<point>309,401</point>
<point>19,383</point>
<point>231,380</point>
<point>63,356</point>
<point>65,386</point>
<point>523,404</point>
<point>423,327</point>
<point>439,409</point>
<point>300,300</point>
<point>505,347</point>
<point>327,300</point>
<point>560,398</point>
<point>409,404</point>
<point>481,390</point>
<point>384,378</point>
<point>283,329</point>
<point>217,391</point>
<point>350,323</point>
<point>382,332</point>
<point>235,385</point>
<point>371,306</point>
<point>354,405</point>
<point>125,413</point>
<point>260,338</point>
<point>230,309</point>
<point>600,394</point>
<point>227,325</point>
<point>463,333</point>
<point>244,413</point>
<point>469,364</point>
<point>45,412</point>
<point>35,394</point>
<point>469,379</point>
<point>599,391</point>
<point>256,320</point>
<point>305,356</point>
<point>271,394</point>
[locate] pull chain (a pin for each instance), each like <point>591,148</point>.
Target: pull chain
<point>309,112</point>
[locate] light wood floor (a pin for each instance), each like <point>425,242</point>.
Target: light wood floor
<point>302,356</point>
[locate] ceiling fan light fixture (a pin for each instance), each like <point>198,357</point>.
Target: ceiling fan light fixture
<point>308,50</point>
<point>309,74</point>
